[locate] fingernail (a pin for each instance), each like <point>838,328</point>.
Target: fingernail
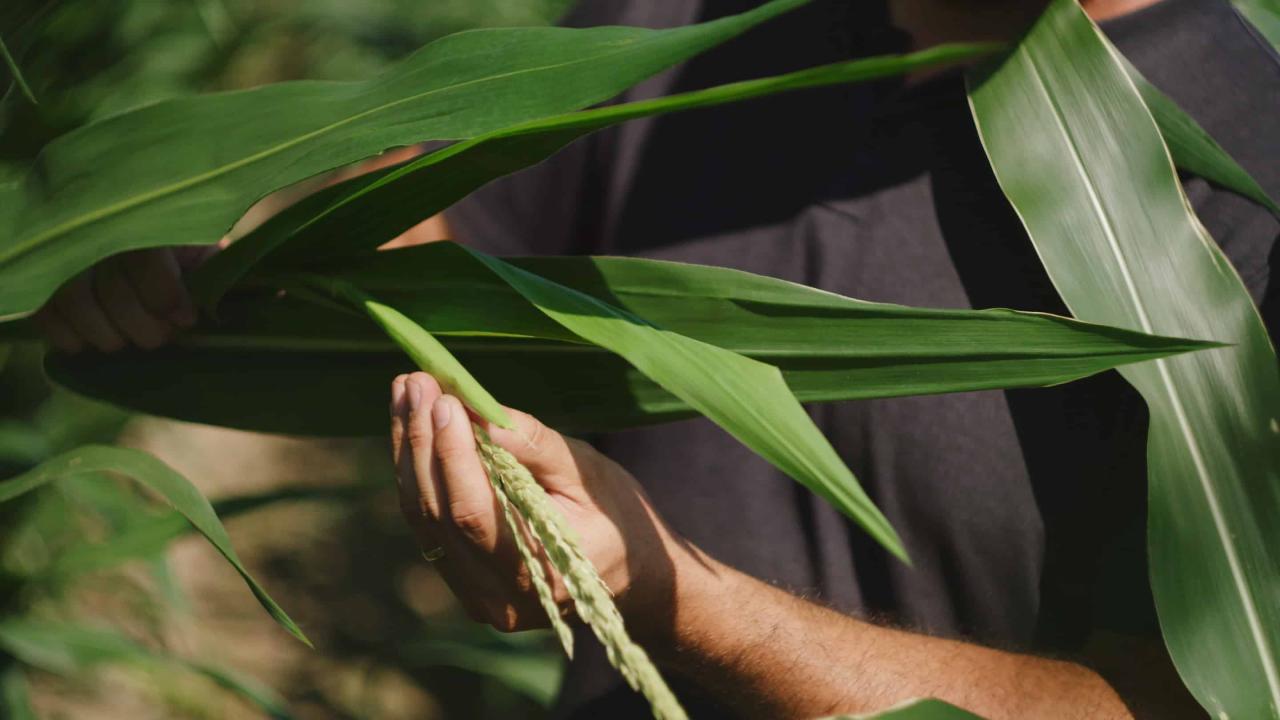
<point>415,394</point>
<point>442,412</point>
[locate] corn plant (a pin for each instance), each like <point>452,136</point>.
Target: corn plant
<point>43,555</point>
<point>614,342</point>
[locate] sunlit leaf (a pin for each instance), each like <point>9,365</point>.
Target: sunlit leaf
<point>278,350</point>
<point>1122,246</point>
<point>150,536</point>
<point>187,168</point>
<point>171,486</point>
<point>429,355</point>
<point>1193,149</point>
<point>67,649</point>
<point>1264,15</point>
<point>365,212</point>
<point>15,694</point>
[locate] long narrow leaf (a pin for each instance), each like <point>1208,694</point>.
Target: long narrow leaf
<point>16,72</point>
<point>187,168</point>
<point>365,212</point>
<point>150,537</point>
<point>534,673</point>
<point>428,354</point>
<point>747,398</point>
<point>173,487</point>
<point>1265,16</point>
<point>67,649</point>
<point>277,350</point>
<point>15,694</point>
<point>1193,149</point>
<point>1122,246</point>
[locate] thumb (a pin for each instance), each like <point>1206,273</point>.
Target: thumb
<point>539,448</point>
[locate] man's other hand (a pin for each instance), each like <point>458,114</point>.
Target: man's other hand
<point>135,298</point>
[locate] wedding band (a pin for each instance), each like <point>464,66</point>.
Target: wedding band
<point>433,554</point>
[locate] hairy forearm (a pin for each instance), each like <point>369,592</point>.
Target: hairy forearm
<point>770,654</point>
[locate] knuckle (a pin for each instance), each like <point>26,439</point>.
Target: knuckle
<point>537,432</point>
<point>452,454</point>
<point>472,522</point>
<point>419,436</point>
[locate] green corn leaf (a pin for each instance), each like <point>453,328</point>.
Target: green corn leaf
<point>16,72</point>
<point>534,673</point>
<point>67,649</point>
<point>365,212</point>
<point>428,354</point>
<point>150,537</point>
<point>1192,148</point>
<point>1122,247</point>
<point>15,694</point>
<point>915,710</point>
<point>63,649</point>
<point>747,398</point>
<point>278,350</point>
<point>185,169</point>
<point>1264,15</point>
<point>173,487</point>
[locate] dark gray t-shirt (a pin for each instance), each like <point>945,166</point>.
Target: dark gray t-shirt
<point>1022,510</point>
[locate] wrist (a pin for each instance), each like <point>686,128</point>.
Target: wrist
<point>678,600</point>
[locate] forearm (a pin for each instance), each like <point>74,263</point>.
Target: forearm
<point>770,654</point>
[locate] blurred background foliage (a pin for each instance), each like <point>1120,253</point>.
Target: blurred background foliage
<point>108,606</point>
<point>87,59</point>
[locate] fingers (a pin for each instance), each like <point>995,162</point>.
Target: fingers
<point>470,503</point>
<point>77,304</point>
<point>412,441</point>
<point>135,298</point>
<point>122,306</point>
<point>57,330</point>
<point>156,276</point>
<point>190,257</point>
<point>445,492</point>
<point>544,451</point>
<point>448,500</point>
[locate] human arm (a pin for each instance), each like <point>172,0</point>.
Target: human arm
<point>756,648</point>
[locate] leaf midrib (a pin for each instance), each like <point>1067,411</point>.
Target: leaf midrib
<point>129,203</point>
<point>1180,413</point>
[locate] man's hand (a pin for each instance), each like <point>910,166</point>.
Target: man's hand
<point>757,648</point>
<point>448,501</point>
<point>136,298</point>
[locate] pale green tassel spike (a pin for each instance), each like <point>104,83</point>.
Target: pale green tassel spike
<point>591,596</point>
